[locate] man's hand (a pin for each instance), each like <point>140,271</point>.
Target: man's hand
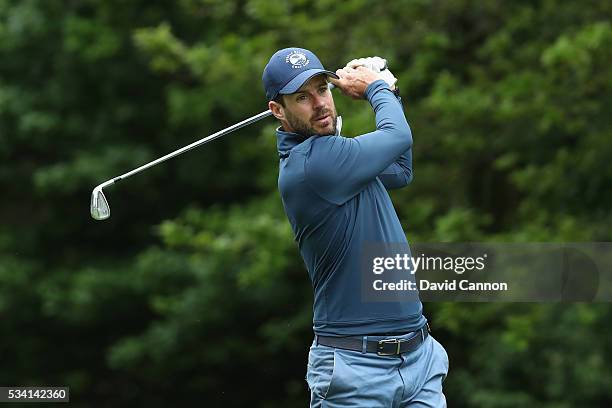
<point>376,64</point>
<point>354,81</point>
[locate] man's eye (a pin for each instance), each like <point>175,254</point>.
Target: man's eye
<point>301,98</point>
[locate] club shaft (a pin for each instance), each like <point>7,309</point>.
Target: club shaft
<point>195,144</point>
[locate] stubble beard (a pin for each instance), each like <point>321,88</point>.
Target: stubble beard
<point>303,128</point>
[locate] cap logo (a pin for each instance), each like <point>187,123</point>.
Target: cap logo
<point>297,59</point>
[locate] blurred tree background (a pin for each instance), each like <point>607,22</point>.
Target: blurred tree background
<point>193,292</point>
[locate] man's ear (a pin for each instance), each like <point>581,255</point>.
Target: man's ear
<point>277,110</point>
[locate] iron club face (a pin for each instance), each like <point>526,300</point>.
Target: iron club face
<point>99,208</point>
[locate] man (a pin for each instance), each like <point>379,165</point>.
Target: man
<point>334,191</point>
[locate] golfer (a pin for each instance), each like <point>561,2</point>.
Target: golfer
<point>334,191</point>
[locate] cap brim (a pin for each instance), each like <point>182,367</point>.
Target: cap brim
<point>302,78</point>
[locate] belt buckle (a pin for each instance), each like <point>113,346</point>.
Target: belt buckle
<point>381,343</point>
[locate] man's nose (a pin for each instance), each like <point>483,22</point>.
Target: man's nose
<point>318,101</point>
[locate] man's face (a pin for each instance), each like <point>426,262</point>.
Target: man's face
<point>311,110</point>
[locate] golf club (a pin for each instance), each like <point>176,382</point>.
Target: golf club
<point>100,210</point>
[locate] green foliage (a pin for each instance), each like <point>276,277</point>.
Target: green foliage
<point>194,289</point>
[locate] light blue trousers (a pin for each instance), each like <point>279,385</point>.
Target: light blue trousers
<point>345,378</point>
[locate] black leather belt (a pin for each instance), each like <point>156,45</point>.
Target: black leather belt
<point>384,347</point>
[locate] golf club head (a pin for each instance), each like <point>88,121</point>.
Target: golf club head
<point>99,205</point>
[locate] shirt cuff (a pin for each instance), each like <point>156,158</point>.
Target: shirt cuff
<point>374,87</point>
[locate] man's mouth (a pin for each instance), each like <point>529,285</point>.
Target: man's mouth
<point>322,119</point>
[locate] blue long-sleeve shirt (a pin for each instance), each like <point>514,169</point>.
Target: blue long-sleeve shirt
<point>334,193</point>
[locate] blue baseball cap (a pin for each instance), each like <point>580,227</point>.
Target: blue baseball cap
<point>289,69</point>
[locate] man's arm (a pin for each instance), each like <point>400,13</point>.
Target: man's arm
<point>398,174</point>
<point>338,168</point>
